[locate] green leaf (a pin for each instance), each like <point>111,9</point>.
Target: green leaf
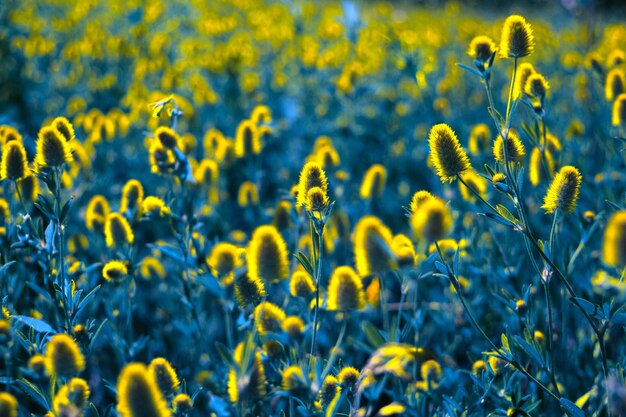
<point>505,342</point>
<point>66,209</point>
<point>373,335</point>
<point>305,262</point>
<point>38,325</point>
<point>571,409</point>
<point>469,69</point>
<point>6,266</point>
<point>504,212</point>
<point>590,308</point>
<point>32,391</point>
<point>528,349</point>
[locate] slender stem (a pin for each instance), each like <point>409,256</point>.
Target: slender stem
<point>572,293</point>
<point>383,303</point>
<point>402,292</point>
<point>552,232</point>
<point>477,195</point>
<point>550,347</point>
<point>510,100</point>
<point>317,269</point>
<point>333,353</point>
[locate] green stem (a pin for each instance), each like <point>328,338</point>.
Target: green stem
<point>317,252</point>
<point>510,100</point>
<point>550,347</point>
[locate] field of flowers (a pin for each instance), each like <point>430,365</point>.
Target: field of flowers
<point>301,208</point>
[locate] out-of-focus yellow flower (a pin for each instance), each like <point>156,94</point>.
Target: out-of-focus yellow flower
<point>563,192</point>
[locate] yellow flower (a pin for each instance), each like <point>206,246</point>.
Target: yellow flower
<point>293,326</point>
<point>345,290</point>
<point>536,86</point>
<point>614,245</point>
<point>481,49</point>
<point>619,111</point>
<point>268,317</point>
<point>267,255</point>
<point>8,405</point>
<point>476,182</point>
<point>301,284</point>
<point>403,248</point>
<point>312,175</point>
<point>524,70</point>
<point>479,139</point>
<point>373,183</point>
<point>348,377</point>
<point>72,398</point>
<point>14,165</point>
<point>293,379</point>
<point>117,231</point>
<point>97,213</point>
<point>182,404</point>
<point>150,267</point>
<point>248,290</point>
<point>431,372</point>
<point>563,193</point>
<point>316,200</point>
<point>391,410</point>
<point>419,198</point>
<point>207,172</point>
<point>432,220</point>
<point>447,155</point>
<point>29,187</point>
<point>132,196</point>
<point>515,148</point>
<point>327,157</point>
<point>162,372</point>
<point>282,216</point>
<point>615,84</point>
<point>162,159</point>
<point>63,356</point>
<point>138,393</point>
<point>248,194</point>
<point>536,171</point>
<point>64,127</point>
<point>114,271</point>
<point>328,390</point>
<point>372,247</point>
<point>517,38</point>
<point>247,140</point>
<point>223,260</point>
<point>154,206</point>
<point>168,137</point>
<point>479,367</point>
<point>249,383</point>
<point>261,114</point>
<point>52,149</point>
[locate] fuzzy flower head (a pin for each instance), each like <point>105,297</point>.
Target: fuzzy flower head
<point>517,38</point>
<point>432,220</point>
<point>301,284</point>
<point>63,356</point>
<point>481,48</point>
<point>132,195</point>
<point>71,398</point>
<point>345,290</point>
<point>524,71</point>
<point>14,165</point>
<point>372,247</point>
<point>515,148</point>
<point>419,198</point>
<point>138,393</point>
<point>154,206</point>
<point>615,84</point>
<point>480,138</point>
<point>117,231</point>
<point>447,155</point>
<point>8,405</point>
<point>97,212</point>
<point>248,290</point>
<point>373,183</point>
<point>114,271</point>
<point>183,404</point>
<point>536,86</point>
<point>52,149</point>
<point>619,111</point>
<point>563,192</point>
<point>316,200</point>
<point>614,243</point>
<point>64,127</point>
<point>268,318</point>
<point>293,379</point>
<point>247,139</point>
<point>223,260</point>
<point>328,390</point>
<point>311,176</point>
<point>167,136</point>
<point>164,375</point>
<point>267,255</point>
